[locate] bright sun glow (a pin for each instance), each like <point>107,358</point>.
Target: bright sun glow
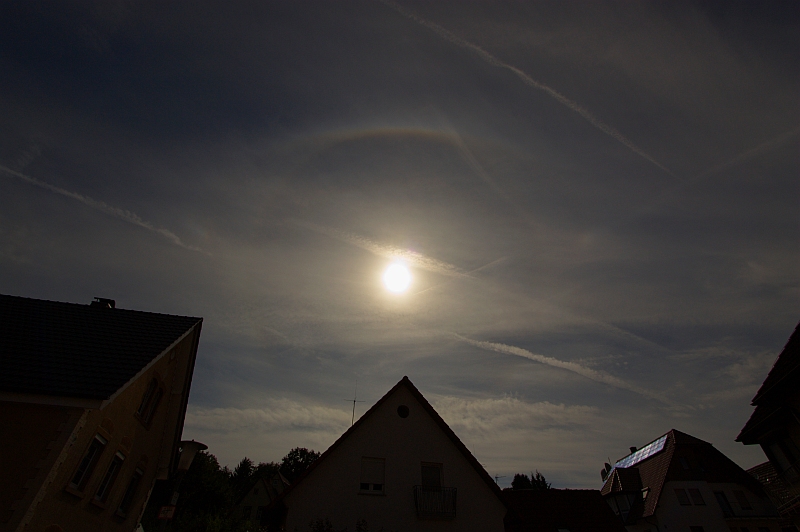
<point>397,278</point>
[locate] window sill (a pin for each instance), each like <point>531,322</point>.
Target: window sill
<point>99,504</point>
<point>73,491</point>
<point>372,493</point>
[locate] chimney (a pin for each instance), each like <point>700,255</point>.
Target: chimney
<point>633,449</point>
<point>102,302</point>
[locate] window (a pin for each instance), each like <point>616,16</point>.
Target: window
<point>150,399</point>
<point>697,497</point>
<point>432,475</point>
<point>682,497</point>
<point>723,503</point>
<point>741,498</point>
<point>86,467</point>
<point>247,511</point>
<point>684,463</point>
<point>372,475</point>
<point>696,529</point>
<point>130,493</point>
<point>111,475</point>
<point>259,512</point>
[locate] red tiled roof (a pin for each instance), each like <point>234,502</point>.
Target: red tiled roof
<point>551,510</point>
<point>81,351</point>
<point>703,460</point>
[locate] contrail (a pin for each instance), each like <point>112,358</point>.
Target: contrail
<point>122,214</point>
<point>382,250</point>
<point>469,273</point>
<point>526,79</point>
<point>589,373</point>
<point>764,147</point>
<point>473,163</point>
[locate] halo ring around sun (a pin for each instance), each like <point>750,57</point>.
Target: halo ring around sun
<point>397,277</point>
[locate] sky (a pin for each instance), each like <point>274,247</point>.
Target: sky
<point>597,201</point>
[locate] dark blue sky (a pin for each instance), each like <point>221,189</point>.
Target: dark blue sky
<point>598,202</point>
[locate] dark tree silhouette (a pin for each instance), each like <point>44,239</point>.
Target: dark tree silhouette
<point>297,461</point>
<point>535,482</point>
<point>538,482</point>
<point>521,482</point>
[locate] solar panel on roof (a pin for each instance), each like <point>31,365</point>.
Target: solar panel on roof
<point>645,452</point>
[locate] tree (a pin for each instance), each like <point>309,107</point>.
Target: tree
<point>535,482</point>
<point>242,478</point>
<point>521,482</point>
<point>297,461</point>
<point>538,482</point>
<point>205,498</point>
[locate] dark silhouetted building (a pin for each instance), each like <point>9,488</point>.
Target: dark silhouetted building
<point>554,510</point>
<point>679,482</point>
<point>775,426</point>
<point>92,403</point>
<point>399,467</point>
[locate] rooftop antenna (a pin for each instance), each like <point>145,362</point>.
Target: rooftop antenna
<point>498,477</point>
<point>355,400</point>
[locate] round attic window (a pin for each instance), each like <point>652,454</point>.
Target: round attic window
<point>402,411</point>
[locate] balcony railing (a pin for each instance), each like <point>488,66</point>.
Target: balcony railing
<point>435,503</point>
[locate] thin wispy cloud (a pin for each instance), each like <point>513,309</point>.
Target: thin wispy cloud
<point>529,81</point>
<point>412,258</point>
<point>481,172</point>
<point>103,207</point>
<point>761,149</point>
<point>589,373</point>
<point>469,273</point>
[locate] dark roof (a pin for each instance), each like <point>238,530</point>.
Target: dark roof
<point>80,351</point>
<point>786,364</point>
<point>780,492</point>
<point>550,510</point>
<point>703,460</point>
<point>405,382</point>
<point>769,403</point>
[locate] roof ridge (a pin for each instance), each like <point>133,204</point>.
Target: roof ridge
<point>405,381</point>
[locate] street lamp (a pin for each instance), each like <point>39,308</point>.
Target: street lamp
<point>188,450</point>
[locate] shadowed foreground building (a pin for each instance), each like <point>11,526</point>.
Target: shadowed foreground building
<point>681,483</point>
<point>92,403</point>
<point>775,426</point>
<point>399,467</point>
<point>554,510</point>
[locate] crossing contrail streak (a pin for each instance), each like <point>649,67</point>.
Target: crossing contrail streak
<point>762,148</point>
<point>589,373</point>
<point>469,273</point>
<point>529,81</point>
<point>122,214</point>
<point>383,250</point>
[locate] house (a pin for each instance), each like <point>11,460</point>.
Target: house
<point>92,402</point>
<point>680,483</point>
<point>399,467</point>
<point>554,510</point>
<point>263,493</point>
<point>775,426</point>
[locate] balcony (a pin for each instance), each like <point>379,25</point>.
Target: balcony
<point>435,503</point>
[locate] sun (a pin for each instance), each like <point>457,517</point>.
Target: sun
<point>397,278</point>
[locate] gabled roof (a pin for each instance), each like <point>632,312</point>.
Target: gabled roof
<point>406,383</point>
<point>553,509</point>
<point>784,375</point>
<point>704,462</point>
<point>79,351</point>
